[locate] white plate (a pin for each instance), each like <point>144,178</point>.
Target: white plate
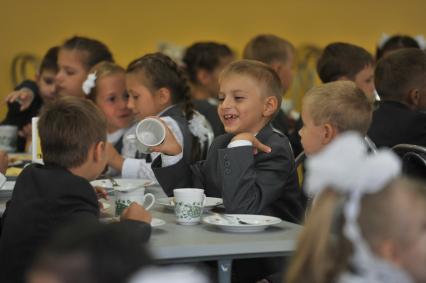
<point>7,188</point>
<point>106,183</point>
<point>210,203</point>
<point>155,222</point>
<point>230,223</point>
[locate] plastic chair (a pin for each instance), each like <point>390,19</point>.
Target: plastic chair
<point>413,159</point>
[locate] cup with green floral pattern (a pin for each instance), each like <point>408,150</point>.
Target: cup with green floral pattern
<point>125,195</point>
<point>189,203</point>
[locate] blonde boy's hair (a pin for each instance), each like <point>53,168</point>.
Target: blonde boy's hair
<point>268,48</point>
<point>340,103</point>
<point>103,69</point>
<point>263,74</point>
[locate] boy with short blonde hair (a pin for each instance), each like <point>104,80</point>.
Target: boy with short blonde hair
<point>262,183</point>
<point>330,109</point>
<point>47,197</point>
<point>252,166</point>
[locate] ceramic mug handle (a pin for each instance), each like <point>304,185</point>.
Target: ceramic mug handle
<point>204,200</point>
<point>152,200</point>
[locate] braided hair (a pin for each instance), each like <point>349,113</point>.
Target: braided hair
<point>161,71</point>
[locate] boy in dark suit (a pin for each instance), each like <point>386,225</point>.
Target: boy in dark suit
<point>46,197</point>
<point>252,166</point>
<point>400,79</point>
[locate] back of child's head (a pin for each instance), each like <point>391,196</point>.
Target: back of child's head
<point>268,48</point>
<point>204,56</point>
<point>395,42</point>
<point>99,71</point>
<point>340,103</point>
<point>68,128</point>
<point>348,229</point>
<point>324,252</point>
<point>400,72</point>
<point>50,60</point>
<point>90,252</point>
<point>260,72</point>
<point>94,51</point>
<point>342,60</point>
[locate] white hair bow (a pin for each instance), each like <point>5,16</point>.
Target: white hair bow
<point>89,83</point>
<point>346,167</point>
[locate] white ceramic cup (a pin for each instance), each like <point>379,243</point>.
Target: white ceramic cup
<point>149,132</point>
<point>125,195</point>
<point>189,203</point>
<point>8,138</point>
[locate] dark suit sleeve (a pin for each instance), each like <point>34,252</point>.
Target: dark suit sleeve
<point>252,183</point>
<point>179,175</point>
<point>139,229</point>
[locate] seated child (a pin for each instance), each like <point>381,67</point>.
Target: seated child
<point>46,197</point>
<point>400,82</point>
<point>345,61</point>
<point>358,230</point>
<point>106,87</point>
<point>203,62</point>
<point>262,183</point>
<point>43,90</point>
<point>279,54</point>
<point>331,109</point>
<point>157,87</point>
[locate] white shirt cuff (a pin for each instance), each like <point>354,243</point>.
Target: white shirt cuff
<point>130,168</point>
<point>238,143</point>
<point>169,160</point>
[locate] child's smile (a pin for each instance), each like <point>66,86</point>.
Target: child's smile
<point>241,105</point>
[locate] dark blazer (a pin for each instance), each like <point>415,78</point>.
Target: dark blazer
<point>394,123</point>
<point>210,112</point>
<point>265,183</point>
<point>45,198</point>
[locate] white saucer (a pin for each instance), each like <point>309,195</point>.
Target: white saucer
<point>230,223</point>
<point>155,222</point>
<point>210,203</point>
<point>106,183</point>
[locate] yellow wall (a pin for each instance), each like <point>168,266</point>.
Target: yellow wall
<point>132,27</point>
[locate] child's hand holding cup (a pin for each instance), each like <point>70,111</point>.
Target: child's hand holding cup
<point>152,134</point>
<point>126,195</point>
<point>189,204</point>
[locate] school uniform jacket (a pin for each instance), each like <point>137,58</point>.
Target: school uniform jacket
<point>45,198</point>
<point>265,183</point>
<point>394,123</point>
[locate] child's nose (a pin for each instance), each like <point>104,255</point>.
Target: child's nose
<point>227,102</point>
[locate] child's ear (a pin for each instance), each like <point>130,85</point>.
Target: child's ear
<point>412,99</point>
<point>99,152</point>
<point>164,96</point>
<point>330,132</point>
<point>276,65</point>
<point>270,106</point>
